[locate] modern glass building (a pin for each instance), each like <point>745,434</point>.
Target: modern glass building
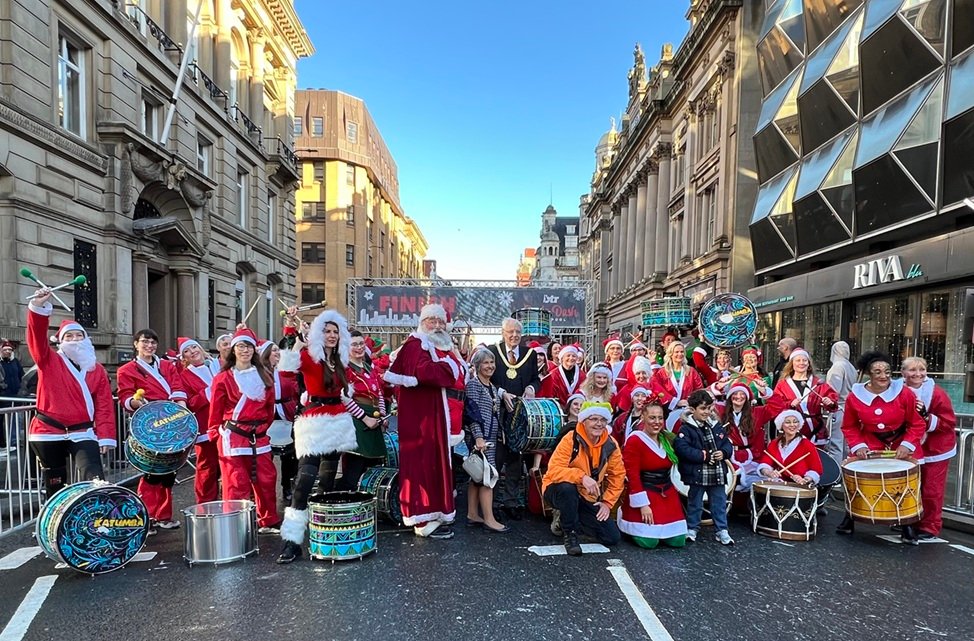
<point>865,156</point>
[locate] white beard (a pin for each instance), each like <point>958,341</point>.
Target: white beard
<point>440,339</point>
<point>249,383</point>
<point>81,353</point>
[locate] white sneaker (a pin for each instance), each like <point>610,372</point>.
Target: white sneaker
<point>556,523</point>
<point>168,525</point>
<point>692,535</point>
<point>724,537</point>
<point>267,529</point>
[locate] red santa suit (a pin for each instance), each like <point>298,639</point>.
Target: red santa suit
<point>800,457</point>
<point>198,379</point>
<point>748,450</point>
<point>939,446</point>
<point>669,390</point>
<point>161,381</point>
<point>425,428</point>
<point>648,476</point>
<point>240,413</point>
<point>556,385</point>
<point>810,407</point>
<point>883,421</point>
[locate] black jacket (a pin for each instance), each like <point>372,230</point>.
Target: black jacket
<point>527,374</point>
<point>690,447</point>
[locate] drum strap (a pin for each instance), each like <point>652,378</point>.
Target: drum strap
<point>252,435</point>
<point>77,427</point>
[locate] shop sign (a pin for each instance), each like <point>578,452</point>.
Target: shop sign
<point>883,270</point>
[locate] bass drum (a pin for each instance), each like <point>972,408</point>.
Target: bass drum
<point>728,321</point>
<point>730,482</point>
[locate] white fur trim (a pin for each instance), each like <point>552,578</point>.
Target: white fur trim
<point>779,420</point>
<point>316,336</point>
<point>799,352</point>
<point>595,410</point>
<point>909,446</point>
<point>444,519</point>
<point>290,361</point>
<point>812,474</point>
<point>294,525</point>
<point>665,531</point>
<point>639,499</point>
<point>867,397</point>
<point>249,383</point>
<point>642,364</point>
<point>400,379</point>
<point>456,439</point>
<point>324,434</point>
<point>44,310</point>
<point>933,423</point>
<point>934,458</point>
<point>433,310</point>
<point>638,390</point>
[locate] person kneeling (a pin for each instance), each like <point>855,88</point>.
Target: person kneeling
<point>585,479</point>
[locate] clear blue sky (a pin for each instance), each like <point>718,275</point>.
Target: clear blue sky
<point>486,106</point>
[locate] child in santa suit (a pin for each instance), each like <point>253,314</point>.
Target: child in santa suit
<point>197,375</point>
<point>240,413</point>
<point>158,380</point>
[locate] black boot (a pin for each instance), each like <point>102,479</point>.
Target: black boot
<point>290,553</point>
<point>848,526</point>
<point>909,536</point>
<point>572,546</point>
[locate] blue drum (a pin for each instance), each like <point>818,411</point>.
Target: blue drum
<point>392,449</point>
<point>673,311</point>
<point>93,527</point>
<point>161,436</point>
<point>728,321</point>
<point>535,321</point>
<point>341,525</point>
<point>383,483</point>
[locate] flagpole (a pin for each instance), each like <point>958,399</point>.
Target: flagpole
<point>171,112</point>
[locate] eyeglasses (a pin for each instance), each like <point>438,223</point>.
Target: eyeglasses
<point>148,341</point>
<point>597,420</point>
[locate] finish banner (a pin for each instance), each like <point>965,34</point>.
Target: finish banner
<point>399,307</point>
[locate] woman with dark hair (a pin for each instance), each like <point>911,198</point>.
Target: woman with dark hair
<point>744,423</point>
<point>554,349</point>
<point>791,450</point>
<point>366,390</point>
<point>881,414</point>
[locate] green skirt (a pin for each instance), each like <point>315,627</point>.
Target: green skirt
<point>370,441</point>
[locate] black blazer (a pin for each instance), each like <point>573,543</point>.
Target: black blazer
<point>527,374</point>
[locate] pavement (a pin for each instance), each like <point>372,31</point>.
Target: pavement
<point>494,586</point>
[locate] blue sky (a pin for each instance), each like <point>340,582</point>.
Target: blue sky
<point>486,107</point>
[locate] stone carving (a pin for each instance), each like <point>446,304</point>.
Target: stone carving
<point>45,132</point>
<point>175,173</point>
<point>662,151</point>
<point>126,186</point>
<point>637,75</point>
<point>145,170</point>
<point>726,64</point>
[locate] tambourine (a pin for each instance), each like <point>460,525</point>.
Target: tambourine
<point>728,321</point>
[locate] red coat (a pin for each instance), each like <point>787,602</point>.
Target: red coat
<point>940,441</point>
<point>786,391</point>
<point>619,376</point>
<point>230,404</point>
<point>810,464</point>
<point>750,448</point>
<point>622,401</point>
<point>556,385</point>
<point>197,380</point>
<point>285,395</point>
<point>640,455</point>
<point>161,381</point>
<point>623,425</point>
<point>707,373</point>
<point>666,389</point>
<point>883,421</point>
<point>65,394</point>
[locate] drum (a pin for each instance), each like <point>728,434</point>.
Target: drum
<point>666,312</point>
<point>341,525</point>
<point>730,482</point>
<point>831,475</point>
<point>383,483</point>
<point>161,437</point>
<point>535,321</point>
<point>885,491</point>
<point>280,435</point>
<point>784,511</point>
<point>220,532</point>
<point>392,448</point>
<point>93,527</point>
<point>534,425</point>
<point>728,321</point>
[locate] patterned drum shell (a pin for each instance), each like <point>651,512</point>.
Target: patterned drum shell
<point>884,491</point>
<point>392,449</point>
<point>535,424</point>
<point>535,321</point>
<point>666,312</point>
<point>161,435</point>
<point>383,483</point>
<point>785,511</point>
<point>341,525</point>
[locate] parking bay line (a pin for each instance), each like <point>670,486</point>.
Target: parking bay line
<point>19,623</point>
<point>18,557</point>
<point>647,617</point>
<point>962,548</point>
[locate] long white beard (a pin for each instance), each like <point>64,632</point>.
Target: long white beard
<point>81,352</point>
<point>441,339</point>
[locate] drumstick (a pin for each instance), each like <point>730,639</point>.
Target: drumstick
<point>785,468</point>
<point>251,311</point>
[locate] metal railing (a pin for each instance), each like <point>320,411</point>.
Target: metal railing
<point>959,496</point>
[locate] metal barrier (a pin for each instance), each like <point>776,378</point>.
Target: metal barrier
<point>959,497</point>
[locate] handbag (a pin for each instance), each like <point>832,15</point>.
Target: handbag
<point>480,470</point>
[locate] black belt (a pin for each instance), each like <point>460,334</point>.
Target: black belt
<point>885,437</point>
<point>657,482</point>
<point>77,427</point>
<point>325,400</point>
<point>252,435</point>
<point>738,448</point>
<point>456,394</point>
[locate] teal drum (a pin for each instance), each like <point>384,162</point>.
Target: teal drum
<point>534,425</point>
<point>673,311</point>
<point>383,484</point>
<point>535,321</point>
<point>93,527</point>
<point>341,525</point>
<point>161,436</point>
<point>392,449</point>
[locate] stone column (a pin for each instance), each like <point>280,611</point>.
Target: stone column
<point>631,240</point>
<point>662,208</point>
<point>649,218</point>
<point>140,291</point>
<point>605,243</point>
<point>186,303</point>
<point>616,250</point>
<point>639,241</point>
<point>258,39</point>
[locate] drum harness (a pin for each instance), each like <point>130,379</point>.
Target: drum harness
<point>252,435</point>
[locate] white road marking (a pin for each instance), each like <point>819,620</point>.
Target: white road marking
<point>895,538</point>
<point>559,550</point>
<point>791,545</point>
<point>647,617</point>
<point>18,557</point>
<point>962,548</point>
<point>29,607</point>
<point>144,556</point>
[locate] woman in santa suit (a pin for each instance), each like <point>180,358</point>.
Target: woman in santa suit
<point>881,414</point>
<point>642,369</point>
<point>159,380</point>
<point>651,509</point>
<point>799,389</point>
<point>627,422</point>
<point>791,450</point>
<point>939,445</point>
<point>752,374</point>
<point>722,364</point>
<point>197,376</point>
<point>615,362</point>
<point>286,395</point>
<point>744,423</point>
<point>366,390</point>
<point>241,410</point>
<point>672,384</point>
<point>597,386</point>
<point>565,379</point>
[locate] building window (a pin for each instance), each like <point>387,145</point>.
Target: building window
<point>313,253</point>
<point>312,293</point>
<point>351,131</point>
<point>319,169</point>
<point>298,126</point>
<point>317,126</point>
<point>350,255</point>
<point>242,183</point>
<point>211,303</point>
<point>86,296</point>
<point>194,44</point>
<point>350,215</point>
<point>350,175</point>
<point>271,215</point>
<point>72,110</point>
<point>149,120</point>
<point>712,216</point>
<point>234,78</point>
<point>313,212</point>
<point>204,149</point>
<point>240,301</point>
<point>135,9</point>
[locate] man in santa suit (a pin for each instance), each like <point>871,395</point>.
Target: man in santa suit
<point>75,412</point>
<point>613,358</point>
<point>426,368</point>
<point>197,376</point>
<point>158,380</point>
<point>566,379</point>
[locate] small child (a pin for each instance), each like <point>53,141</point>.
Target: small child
<point>702,447</point>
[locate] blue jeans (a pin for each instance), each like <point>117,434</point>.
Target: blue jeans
<point>717,496</point>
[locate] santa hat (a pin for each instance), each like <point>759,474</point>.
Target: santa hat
<point>642,364</point>
<point>638,389</point>
<point>68,325</point>
<point>433,310</point>
<point>172,354</point>
<point>737,387</point>
<point>637,345</point>
<point>244,335</point>
<point>7,343</point>
<point>569,349</point>
<point>672,334</point>
<point>263,347</point>
<point>316,335</point>
<point>538,347</point>
<point>183,342</point>
<point>600,368</point>
<point>590,409</point>
<point>571,398</point>
<point>779,420</point>
<point>799,352</point>
<point>612,340</point>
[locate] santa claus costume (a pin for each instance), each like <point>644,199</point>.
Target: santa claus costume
<point>75,411</point>
<point>159,380</point>
<point>425,370</point>
<point>939,446</point>
<point>748,448</point>
<point>286,394</point>
<point>799,455</point>
<point>883,421</point>
<point>241,410</point>
<point>365,388</point>
<point>670,385</point>
<point>613,349</point>
<point>813,396</point>
<point>626,422</point>
<point>648,463</point>
<point>198,381</point>
<point>639,377</point>
<point>636,350</point>
<point>566,378</point>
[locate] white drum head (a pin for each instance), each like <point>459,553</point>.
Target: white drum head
<point>879,465</point>
<point>280,433</point>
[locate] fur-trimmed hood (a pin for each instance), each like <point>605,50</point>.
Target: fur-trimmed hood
<point>316,336</point>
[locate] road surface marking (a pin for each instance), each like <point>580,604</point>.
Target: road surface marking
<point>144,556</point>
<point>962,548</point>
<point>791,545</point>
<point>18,557</point>
<point>559,550</point>
<point>29,607</point>
<point>651,623</point>
<point>895,538</point>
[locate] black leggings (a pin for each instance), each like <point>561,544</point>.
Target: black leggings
<point>324,467</point>
<point>289,468</point>
<point>353,467</point>
<point>54,461</point>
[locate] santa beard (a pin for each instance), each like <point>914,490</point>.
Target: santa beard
<point>82,353</point>
<point>440,339</point>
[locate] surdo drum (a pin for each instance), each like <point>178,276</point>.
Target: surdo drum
<point>161,436</point>
<point>884,491</point>
<point>535,321</point>
<point>728,321</point>
<point>391,440</point>
<point>220,532</point>
<point>341,525</point>
<point>666,312</point>
<point>534,425</point>
<point>383,483</point>
<point>784,511</point>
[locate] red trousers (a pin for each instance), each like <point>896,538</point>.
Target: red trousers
<point>157,499</point>
<point>207,483</point>
<point>238,485</point>
<point>933,483</point>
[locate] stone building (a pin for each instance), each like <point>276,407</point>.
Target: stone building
<point>350,223</point>
<point>526,265</point>
<point>182,232</point>
<point>556,258</point>
<point>674,186</point>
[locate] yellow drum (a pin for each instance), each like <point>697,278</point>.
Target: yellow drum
<point>884,491</point>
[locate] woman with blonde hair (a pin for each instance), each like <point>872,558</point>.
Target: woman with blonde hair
<point>672,384</point>
<point>597,386</point>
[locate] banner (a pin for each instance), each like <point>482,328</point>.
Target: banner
<point>399,307</point>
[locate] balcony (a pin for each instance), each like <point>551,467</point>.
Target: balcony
<point>283,161</point>
<point>148,27</point>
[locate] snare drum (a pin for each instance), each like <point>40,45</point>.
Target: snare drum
<point>534,425</point>
<point>220,532</point>
<point>280,435</point>
<point>341,525</point>
<point>392,448</point>
<point>93,527</point>
<point>666,312</point>
<point>784,511</point>
<point>161,437</point>
<point>383,483</point>
<point>885,491</point>
<point>730,482</point>
<point>535,321</point>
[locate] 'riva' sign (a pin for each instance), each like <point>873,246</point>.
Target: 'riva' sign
<point>883,270</point>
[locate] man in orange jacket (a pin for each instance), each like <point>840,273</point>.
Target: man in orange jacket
<point>585,479</point>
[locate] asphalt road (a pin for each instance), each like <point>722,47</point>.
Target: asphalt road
<point>489,586</point>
